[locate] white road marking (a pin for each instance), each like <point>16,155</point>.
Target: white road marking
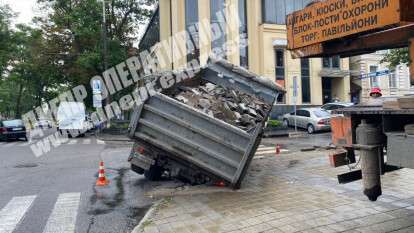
<point>73,141</point>
<point>100,142</point>
<point>63,217</point>
<point>87,141</point>
<point>267,149</point>
<point>13,213</point>
<point>265,152</point>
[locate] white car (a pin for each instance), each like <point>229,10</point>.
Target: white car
<point>311,119</point>
<point>72,119</point>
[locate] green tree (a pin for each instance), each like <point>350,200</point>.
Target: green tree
<point>5,37</point>
<point>33,76</point>
<point>74,32</point>
<point>396,57</point>
<point>64,49</point>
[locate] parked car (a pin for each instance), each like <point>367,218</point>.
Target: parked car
<point>43,124</point>
<point>311,119</point>
<point>12,129</point>
<point>329,107</point>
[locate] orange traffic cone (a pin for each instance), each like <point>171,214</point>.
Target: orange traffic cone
<point>102,181</point>
<point>278,147</point>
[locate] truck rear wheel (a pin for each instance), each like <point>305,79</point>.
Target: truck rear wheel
<point>154,173</point>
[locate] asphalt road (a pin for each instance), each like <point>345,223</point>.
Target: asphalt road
<point>306,140</point>
<point>56,191</point>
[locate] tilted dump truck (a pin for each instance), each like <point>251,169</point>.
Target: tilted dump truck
<point>177,139</point>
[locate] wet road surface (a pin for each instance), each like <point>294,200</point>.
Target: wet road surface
<point>56,191</point>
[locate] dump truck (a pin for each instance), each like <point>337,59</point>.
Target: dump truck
<point>174,138</point>
<point>383,136</point>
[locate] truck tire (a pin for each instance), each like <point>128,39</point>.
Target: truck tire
<point>154,173</point>
<point>137,169</point>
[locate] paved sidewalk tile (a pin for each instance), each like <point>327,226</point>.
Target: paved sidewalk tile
<point>296,192</point>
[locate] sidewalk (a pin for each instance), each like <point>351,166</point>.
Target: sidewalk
<point>295,192</point>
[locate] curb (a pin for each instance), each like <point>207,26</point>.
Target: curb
<point>150,213</point>
<point>114,140</point>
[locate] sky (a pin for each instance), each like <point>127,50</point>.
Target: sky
<point>27,9</point>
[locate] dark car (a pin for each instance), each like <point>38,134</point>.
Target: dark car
<point>12,129</point>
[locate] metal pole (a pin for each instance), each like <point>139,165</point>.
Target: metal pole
<point>104,35</point>
<point>105,54</point>
<point>412,61</point>
<point>296,126</point>
<point>295,95</point>
<point>370,135</point>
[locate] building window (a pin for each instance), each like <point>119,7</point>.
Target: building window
<point>281,99</point>
<point>305,77</point>
<point>331,62</point>
<point>336,62</point>
<point>275,11</point>
<point>244,50</point>
<point>392,80</point>
<point>217,16</point>
<point>280,64</point>
<point>191,25</point>
<point>280,71</point>
<point>373,76</point>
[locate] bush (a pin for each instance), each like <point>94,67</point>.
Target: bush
<point>274,123</point>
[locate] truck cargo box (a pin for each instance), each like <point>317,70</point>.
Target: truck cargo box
<point>176,135</point>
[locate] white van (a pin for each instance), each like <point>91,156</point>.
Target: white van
<point>72,120</point>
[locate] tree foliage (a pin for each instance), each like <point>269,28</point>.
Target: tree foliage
<point>5,37</point>
<point>64,49</point>
<point>396,57</point>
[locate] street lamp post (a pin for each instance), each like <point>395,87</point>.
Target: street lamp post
<point>105,53</point>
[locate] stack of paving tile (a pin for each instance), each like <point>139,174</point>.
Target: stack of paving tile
<point>233,107</point>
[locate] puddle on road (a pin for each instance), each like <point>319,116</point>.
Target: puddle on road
<point>109,199</point>
<point>106,195</point>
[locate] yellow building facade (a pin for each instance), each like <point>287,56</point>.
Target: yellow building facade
<point>318,80</point>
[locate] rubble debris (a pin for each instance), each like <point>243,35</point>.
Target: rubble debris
<point>231,106</point>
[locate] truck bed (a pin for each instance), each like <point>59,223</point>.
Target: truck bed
<point>196,138</point>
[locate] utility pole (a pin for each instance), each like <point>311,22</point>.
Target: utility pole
<point>105,54</point>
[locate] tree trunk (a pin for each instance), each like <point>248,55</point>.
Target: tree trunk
<point>18,102</point>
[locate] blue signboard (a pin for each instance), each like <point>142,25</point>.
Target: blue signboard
<point>374,74</point>
<point>96,86</point>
